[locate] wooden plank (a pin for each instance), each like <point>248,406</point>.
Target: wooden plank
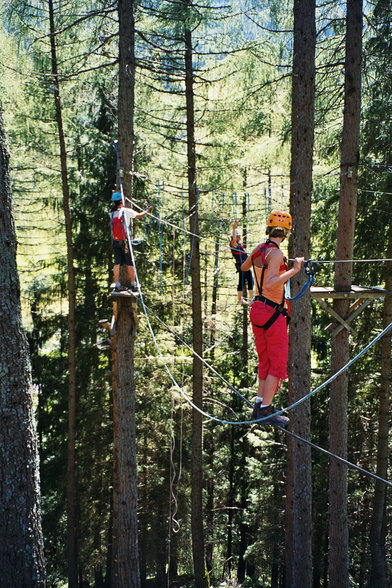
<point>355,312</point>
<point>333,313</point>
<point>319,292</point>
<point>125,294</point>
<point>351,309</point>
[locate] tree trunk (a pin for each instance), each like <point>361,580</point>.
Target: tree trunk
<point>243,482</point>
<point>378,527</point>
<point>126,93</point>
<point>299,496</point>
<point>244,348</point>
<point>71,478</point>
<point>126,559</point>
<point>21,541</point>
<point>338,524</point>
<point>125,566</point>
<point>210,441</point>
<point>197,423</point>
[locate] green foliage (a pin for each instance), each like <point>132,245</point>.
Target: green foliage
<point>242,104</point>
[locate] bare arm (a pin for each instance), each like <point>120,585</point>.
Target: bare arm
<point>233,241</point>
<point>273,278</point>
<point>141,214</point>
<point>248,261</point>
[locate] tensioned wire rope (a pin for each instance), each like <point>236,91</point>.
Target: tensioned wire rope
<point>259,421</point>
<point>255,421</point>
<point>224,246</point>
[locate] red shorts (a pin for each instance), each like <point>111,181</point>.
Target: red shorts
<point>272,345</point>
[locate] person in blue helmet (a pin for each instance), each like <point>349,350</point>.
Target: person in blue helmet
<point>120,218</point>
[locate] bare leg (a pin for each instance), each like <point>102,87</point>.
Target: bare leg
<point>267,388</point>
<point>116,273</point>
<point>260,390</point>
<point>131,273</point>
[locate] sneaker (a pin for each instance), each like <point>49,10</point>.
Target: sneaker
<point>134,289</point>
<point>255,410</point>
<point>275,419</point>
<point>120,288</point>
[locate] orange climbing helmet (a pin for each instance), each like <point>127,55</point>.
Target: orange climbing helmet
<point>280,218</point>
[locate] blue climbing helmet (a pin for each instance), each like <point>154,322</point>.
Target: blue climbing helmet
<point>116,196</point>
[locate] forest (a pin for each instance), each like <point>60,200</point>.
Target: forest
<point>128,452</point>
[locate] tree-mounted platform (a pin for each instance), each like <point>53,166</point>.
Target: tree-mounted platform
<point>362,296</point>
<point>124,293</point>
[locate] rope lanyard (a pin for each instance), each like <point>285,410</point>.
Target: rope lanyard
<point>310,270</point>
<point>258,421</point>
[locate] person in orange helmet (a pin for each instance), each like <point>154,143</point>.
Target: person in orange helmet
<point>269,314</point>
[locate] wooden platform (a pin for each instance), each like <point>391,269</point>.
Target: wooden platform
<point>362,296</point>
<point>125,294</point>
<point>320,292</point>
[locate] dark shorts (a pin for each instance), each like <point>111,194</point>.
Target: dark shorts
<point>245,278</point>
<point>120,257</point>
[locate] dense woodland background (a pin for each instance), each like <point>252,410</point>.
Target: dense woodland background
<point>242,59</point>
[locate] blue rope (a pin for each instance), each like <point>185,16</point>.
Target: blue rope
<point>310,270</point>
<point>222,421</point>
<point>301,439</point>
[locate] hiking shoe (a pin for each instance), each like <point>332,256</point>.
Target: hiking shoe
<point>134,289</point>
<point>255,410</point>
<point>275,419</point>
<point>120,289</point>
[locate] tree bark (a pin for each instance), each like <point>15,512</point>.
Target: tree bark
<point>21,541</point>
<point>126,559</point>
<point>71,477</point>
<point>197,423</point>
<point>125,566</point>
<point>299,495</point>
<point>338,524</point>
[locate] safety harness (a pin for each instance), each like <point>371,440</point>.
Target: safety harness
<point>239,255</point>
<point>279,308</point>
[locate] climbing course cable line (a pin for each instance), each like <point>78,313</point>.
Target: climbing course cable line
<point>381,260</point>
<point>225,246</point>
<point>261,420</point>
<point>209,366</point>
<point>334,456</point>
<point>294,404</point>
